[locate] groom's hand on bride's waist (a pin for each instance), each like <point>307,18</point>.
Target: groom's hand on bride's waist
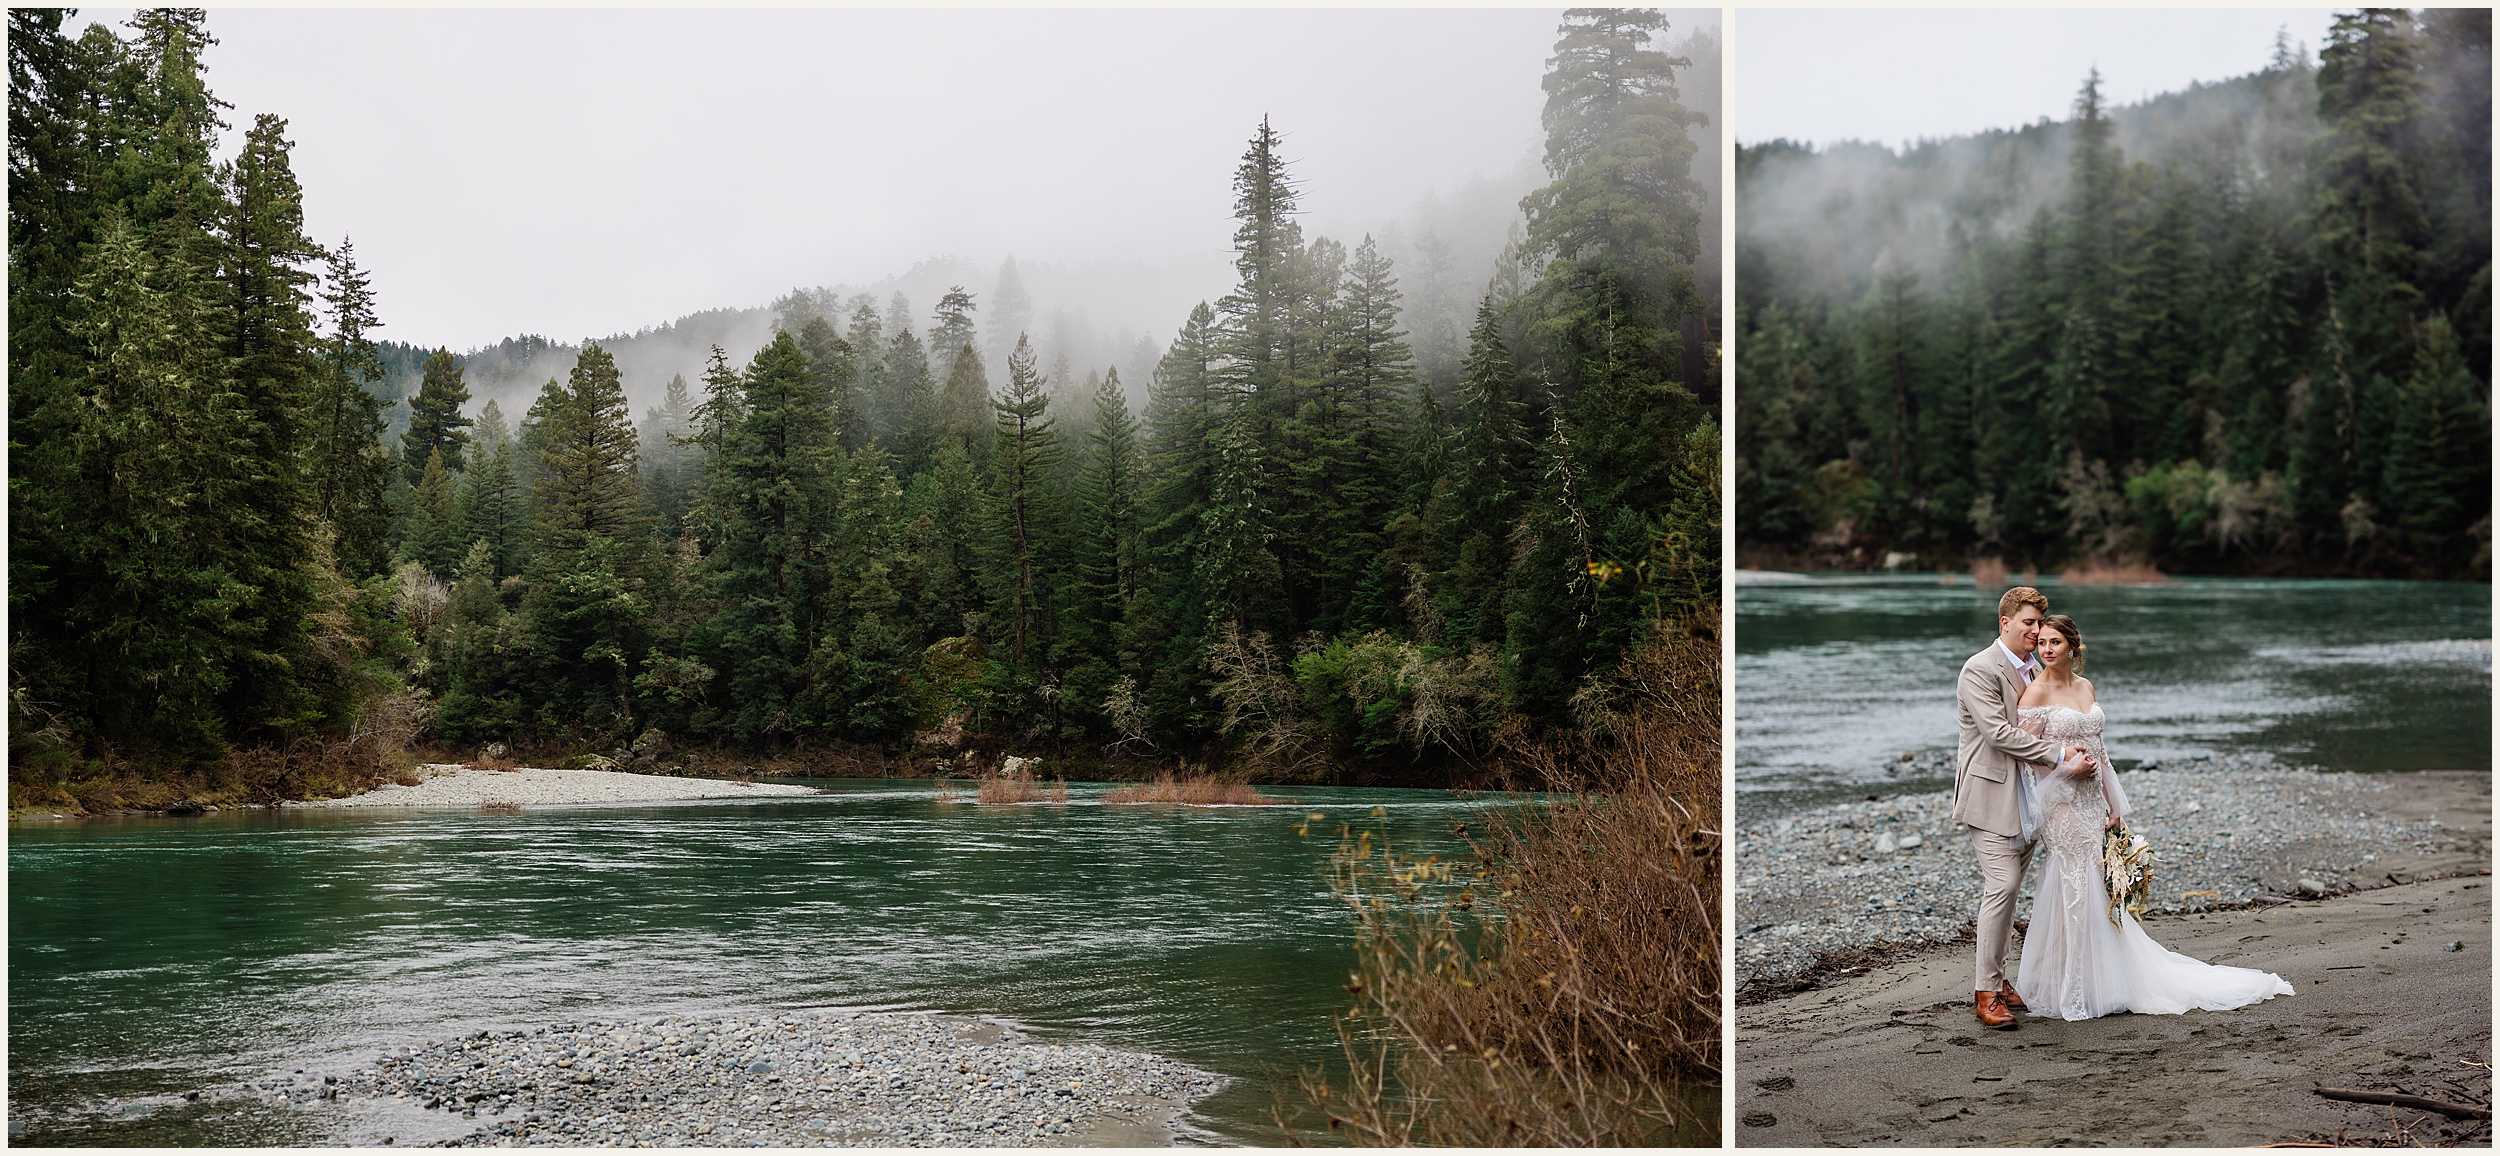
<point>2078,763</point>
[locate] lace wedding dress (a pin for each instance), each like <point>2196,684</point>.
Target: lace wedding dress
<point>2076,964</point>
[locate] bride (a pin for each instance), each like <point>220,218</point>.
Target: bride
<point>2077,963</point>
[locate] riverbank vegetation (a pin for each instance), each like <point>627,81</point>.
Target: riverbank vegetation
<point>1563,989</point>
<point>865,546</point>
<point>1193,791</point>
<point>2244,328</point>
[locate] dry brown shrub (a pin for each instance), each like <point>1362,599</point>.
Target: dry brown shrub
<point>1019,786</point>
<point>2100,573</point>
<point>1193,791</point>
<point>1564,990</point>
<point>1988,573</point>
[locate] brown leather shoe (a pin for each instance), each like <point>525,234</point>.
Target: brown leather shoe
<point>2013,1001</point>
<point>1991,1009</point>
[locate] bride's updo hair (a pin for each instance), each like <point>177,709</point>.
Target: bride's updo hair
<point>2074,636</point>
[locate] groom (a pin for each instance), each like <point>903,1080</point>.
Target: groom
<point>1986,788</point>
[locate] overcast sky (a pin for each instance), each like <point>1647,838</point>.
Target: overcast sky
<point>579,173</point>
<point>1891,77</point>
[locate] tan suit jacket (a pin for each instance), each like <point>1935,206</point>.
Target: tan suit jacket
<point>1993,744</point>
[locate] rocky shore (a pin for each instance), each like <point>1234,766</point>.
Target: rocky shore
<point>803,1079</point>
<point>1839,882</point>
<point>453,785</point>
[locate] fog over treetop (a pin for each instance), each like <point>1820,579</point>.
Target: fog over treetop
<point>2240,327</point>
<point>1848,204</point>
<point>585,174</point>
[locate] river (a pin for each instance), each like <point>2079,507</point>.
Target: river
<point>1838,675</point>
<point>153,956</point>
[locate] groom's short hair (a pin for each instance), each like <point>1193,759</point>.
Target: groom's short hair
<point>2019,597</point>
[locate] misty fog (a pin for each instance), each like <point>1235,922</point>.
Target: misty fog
<point>2110,336</point>
<point>1090,315</point>
<point>1850,202</point>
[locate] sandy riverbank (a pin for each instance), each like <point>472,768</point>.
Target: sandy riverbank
<point>1833,884</point>
<point>1892,1056</point>
<point>451,785</point>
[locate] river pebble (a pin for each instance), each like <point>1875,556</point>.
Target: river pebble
<point>806,1079</point>
<point>2226,829</point>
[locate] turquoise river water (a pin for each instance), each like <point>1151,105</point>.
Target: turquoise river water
<point>153,956</point>
<point>1838,674</point>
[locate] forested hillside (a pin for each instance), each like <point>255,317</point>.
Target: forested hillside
<point>893,538</point>
<point>2243,328</point>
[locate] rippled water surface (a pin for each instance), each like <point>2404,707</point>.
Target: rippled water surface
<point>158,955</point>
<point>1837,676</point>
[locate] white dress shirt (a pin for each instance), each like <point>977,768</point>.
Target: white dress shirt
<point>2027,667</point>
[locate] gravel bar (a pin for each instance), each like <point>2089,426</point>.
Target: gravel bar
<point>1899,872</point>
<point>793,1079</point>
<point>453,785</point>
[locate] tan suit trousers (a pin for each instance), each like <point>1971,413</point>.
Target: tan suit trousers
<point>2001,863</point>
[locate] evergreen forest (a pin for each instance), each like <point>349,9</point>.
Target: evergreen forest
<point>244,527</point>
<point>2244,328</point>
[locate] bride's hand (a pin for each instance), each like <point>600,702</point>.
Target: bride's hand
<point>2112,825</point>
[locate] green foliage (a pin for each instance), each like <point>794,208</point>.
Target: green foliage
<point>489,509</point>
<point>348,464</point>
<point>434,422</point>
<point>589,456</point>
<point>433,539</point>
<point>773,485</point>
<point>1027,449</point>
<point>851,540</point>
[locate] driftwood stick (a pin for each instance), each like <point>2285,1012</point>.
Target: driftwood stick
<point>2446,1108</point>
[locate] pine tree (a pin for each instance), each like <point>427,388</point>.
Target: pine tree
<point>118,498</point>
<point>1108,565</point>
<point>1356,420</point>
<point>835,366</point>
<point>267,545</point>
<point>1011,313</point>
<point>865,420</point>
<point>964,407</point>
<point>2441,454</point>
<point>589,488</point>
<point>663,441</point>
<point>1489,459</point>
<point>489,504</point>
<point>705,442</point>
<point>1027,450</point>
<point>585,616</point>
<point>349,466</point>
<point>1425,456</point>
<point>434,421</point>
<point>773,484</point>
<point>953,331</point>
<point>1266,240</point>
<point>2087,349</point>
<point>953,501</point>
<point>1623,205</point>
<point>433,539</point>
<point>1181,415</point>
<point>910,403</point>
<point>1235,567</point>
<point>492,431</point>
